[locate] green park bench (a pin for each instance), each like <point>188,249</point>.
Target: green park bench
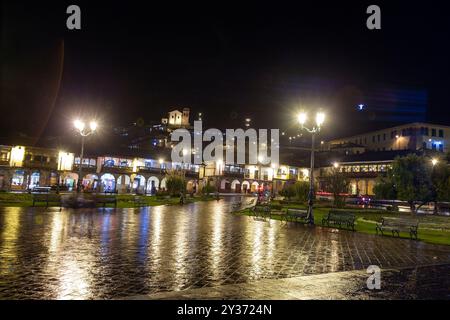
<point>295,215</point>
<point>46,198</point>
<point>261,211</point>
<point>104,201</point>
<point>339,219</point>
<point>397,225</point>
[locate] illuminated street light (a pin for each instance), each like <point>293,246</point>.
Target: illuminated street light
<point>80,126</point>
<point>320,120</point>
<point>434,161</point>
<point>302,118</point>
<point>93,125</point>
<point>336,165</point>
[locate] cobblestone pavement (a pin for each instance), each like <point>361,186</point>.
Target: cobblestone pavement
<point>427,282</point>
<point>102,254</point>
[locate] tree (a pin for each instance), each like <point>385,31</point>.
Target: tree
<point>385,189</point>
<point>337,184</point>
<point>301,190</point>
<point>288,191</point>
<point>412,180</point>
<point>440,178</point>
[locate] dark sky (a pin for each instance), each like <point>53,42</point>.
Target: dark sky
<point>228,60</point>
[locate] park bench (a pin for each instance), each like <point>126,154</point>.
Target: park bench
<point>103,201</point>
<point>261,211</point>
<point>139,201</point>
<point>46,198</point>
<point>295,215</point>
<point>339,219</point>
<point>397,225</point>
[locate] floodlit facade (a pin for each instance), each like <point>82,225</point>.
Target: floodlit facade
<point>413,136</point>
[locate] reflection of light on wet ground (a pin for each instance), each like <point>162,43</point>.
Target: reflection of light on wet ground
<point>8,248</point>
<point>122,252</point>
<point>56,232</point>
<point>216,253</point>
<point>334,255</point>
<point>156,232</point>
<point>180,249</point>
<point>74,282</point>
<point>256,237</point>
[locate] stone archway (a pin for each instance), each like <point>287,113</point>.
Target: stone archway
<point>19,179</point>
<point>107,183</point>
<point>254,186</point>
<point>245,187</point>
<point>123,184</point>
<point>152,185</point>
<point>90,182</point>
<point>225,185</point>
<point>139,186</point>
<point>236,186</point>
<point>162,184</point>
<point>191,186</point>
<point>35,179</point>
<point>69,180</point>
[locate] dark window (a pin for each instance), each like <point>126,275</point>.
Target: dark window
<point>426,131</point>
<point>373,138</point>
<point>441,147</point>
<point>441,133</point>
<point>384,136</point>
<point>433,146</point>
<point>378,138</point>
<point>424,145</point>
<point>433,132</point>
<point>365,140</point>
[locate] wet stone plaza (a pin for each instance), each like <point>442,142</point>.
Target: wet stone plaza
<point>156,251</point>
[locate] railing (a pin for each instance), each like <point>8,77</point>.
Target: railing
<point>4,162</point>
<point>237,174</point>
<point>39,164</point>
<point>151,169</point>
<point>117,169</point>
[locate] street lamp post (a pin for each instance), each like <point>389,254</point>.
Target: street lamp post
<point>320,118</point>
<point>81,126</point>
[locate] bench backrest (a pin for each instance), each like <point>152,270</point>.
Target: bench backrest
<point>296,211</point>
<point>401,222</point>
<point>260,208</point>
<point>335,214</point>
<point>106,199</point>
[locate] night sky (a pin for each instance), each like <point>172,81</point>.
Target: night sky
<point>227,60</point>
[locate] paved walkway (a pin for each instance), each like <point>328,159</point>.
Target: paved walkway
<point>427,282</point>
<point>104,254</point>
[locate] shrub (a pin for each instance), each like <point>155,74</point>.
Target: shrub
<point>175,184</point>
<point>207,189</point>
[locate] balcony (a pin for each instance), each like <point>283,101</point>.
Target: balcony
<point>116,169</point>
<point>233,174</point>
<point>154,170</point>
<point>40,165</point>
<point>4,163</point>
